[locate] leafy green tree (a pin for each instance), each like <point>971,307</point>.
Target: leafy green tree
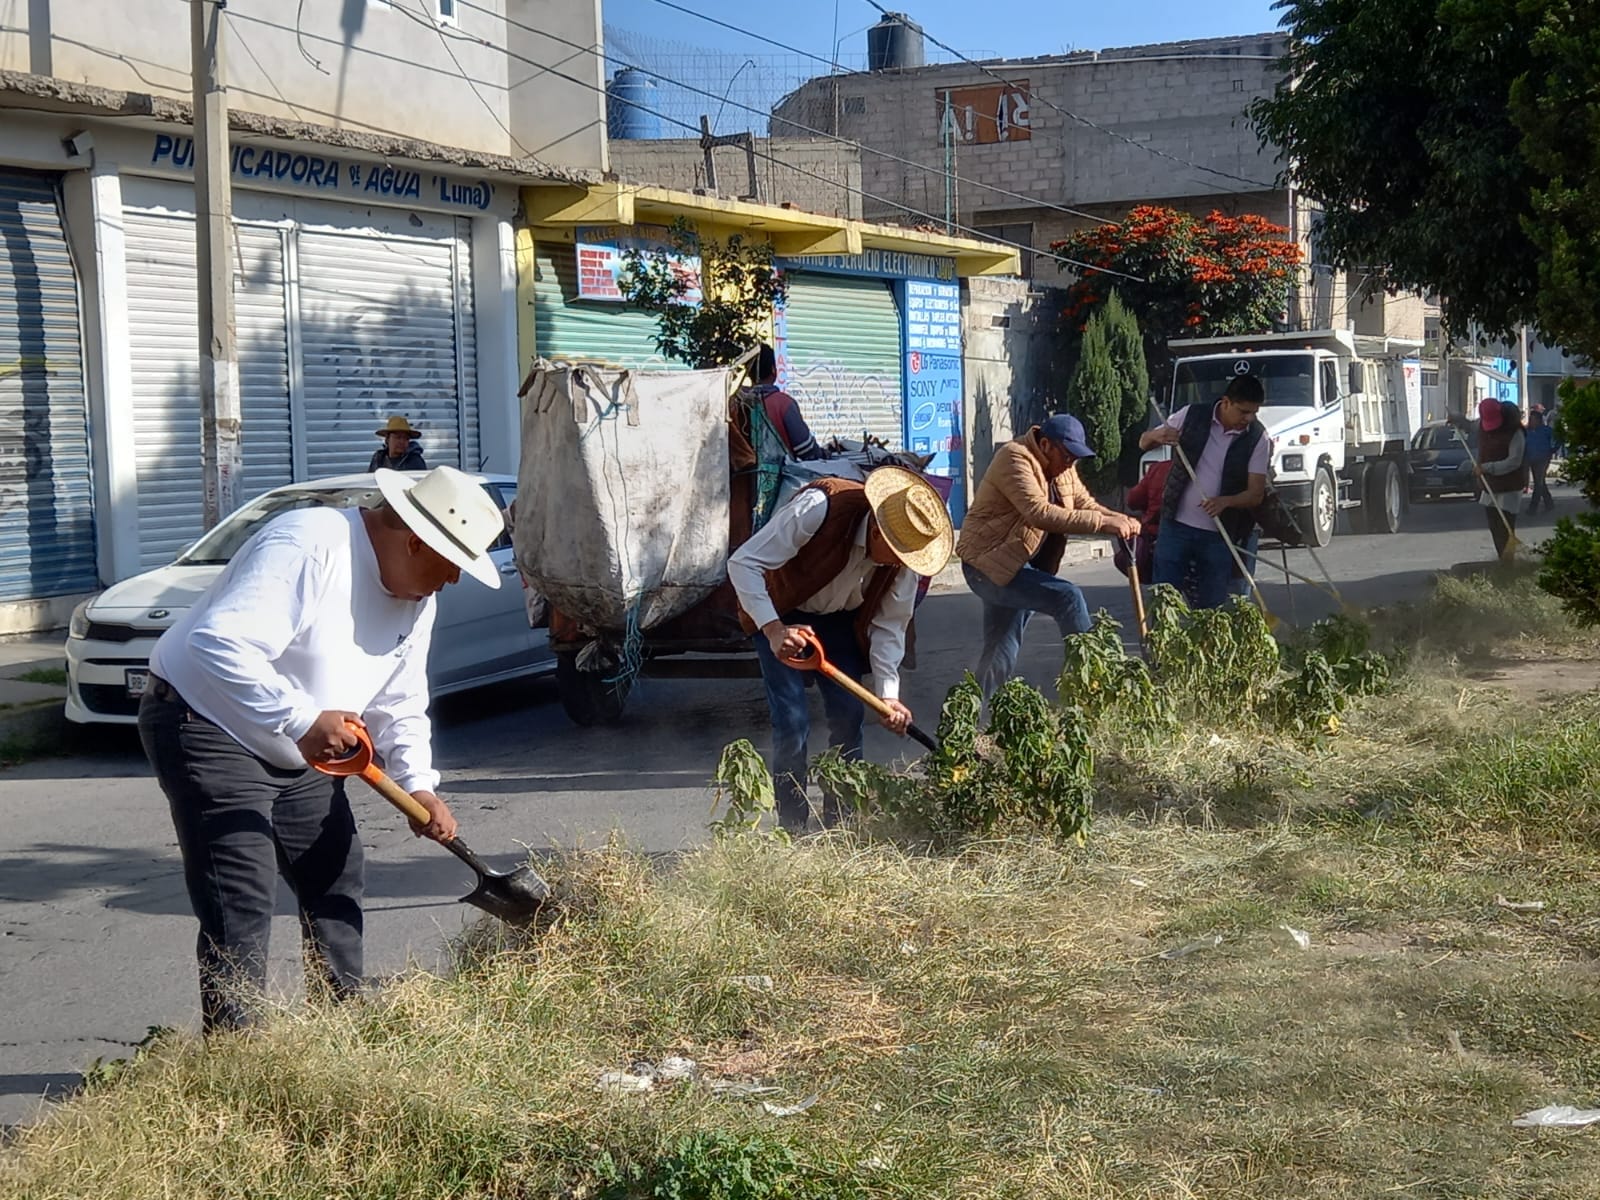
<point>738,286</point>
<point>1095,398</point>
<point>1557,106</point>
<point>1571,567</point>
<point>1452,145</point>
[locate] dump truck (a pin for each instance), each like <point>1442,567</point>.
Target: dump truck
<point>1340,409</point>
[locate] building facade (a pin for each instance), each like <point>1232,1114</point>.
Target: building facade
<point>868,340</point>
<point>374,258</point>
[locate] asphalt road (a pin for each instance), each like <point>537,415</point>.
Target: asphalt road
<point>96,939</point>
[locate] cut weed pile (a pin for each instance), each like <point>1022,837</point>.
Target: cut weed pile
<point>1014,1016</point>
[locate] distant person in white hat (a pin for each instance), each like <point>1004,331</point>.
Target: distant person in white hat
<point>322,619</point>
<point>399,451</point>
<point>843,560</point>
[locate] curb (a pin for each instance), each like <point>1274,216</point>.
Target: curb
<point>34,729</point>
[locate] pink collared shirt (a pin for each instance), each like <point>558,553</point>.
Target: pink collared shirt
<point>1208,471</point>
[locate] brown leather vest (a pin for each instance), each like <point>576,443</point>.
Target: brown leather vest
<point>819,562</point>
<point>1494,445</point>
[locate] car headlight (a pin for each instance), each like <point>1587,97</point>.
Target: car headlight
<point>1293,462</point>
<point>78,626</point>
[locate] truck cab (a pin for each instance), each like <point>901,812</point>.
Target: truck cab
<point>1337,414</point>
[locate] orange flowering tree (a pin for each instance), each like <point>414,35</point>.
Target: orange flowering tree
<point>1192,277</point>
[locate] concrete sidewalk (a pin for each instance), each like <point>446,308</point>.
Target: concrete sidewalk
<point>33,692</point>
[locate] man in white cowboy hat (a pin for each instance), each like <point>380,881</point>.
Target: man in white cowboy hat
<point>841,559</point>
<point>399,451</point>
<point>322,619</point>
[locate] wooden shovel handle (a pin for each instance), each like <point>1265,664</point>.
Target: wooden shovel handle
<point>396,795</point>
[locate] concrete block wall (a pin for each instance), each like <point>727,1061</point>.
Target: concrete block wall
<point>1009,355</point>
<point>787,170</point>
<point>1185,100</point>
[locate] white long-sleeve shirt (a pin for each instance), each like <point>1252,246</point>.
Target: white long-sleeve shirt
<point>300,622</point>
<point>781,538</point>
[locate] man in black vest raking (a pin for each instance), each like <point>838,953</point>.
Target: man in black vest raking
<point>1228,449</point>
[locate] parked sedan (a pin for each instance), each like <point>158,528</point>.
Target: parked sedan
<point>1441,461</point>
<point>480,636</point>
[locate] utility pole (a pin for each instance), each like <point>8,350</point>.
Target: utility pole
<point>213,229</point>
<point>1524,386</point>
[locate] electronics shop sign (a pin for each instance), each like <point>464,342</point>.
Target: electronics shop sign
<point>325,175</point>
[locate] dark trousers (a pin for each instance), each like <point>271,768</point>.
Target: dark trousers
<point>1502,527</point>
<point>240,821</point>
<point>1541,485</point>
<point>791,711</point>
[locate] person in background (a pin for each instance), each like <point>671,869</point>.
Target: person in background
<point>399,451</point>
<point>841,560</point>
<point>1502,469</point>
<point>1228,448</point>
<point>782,411</point>
<point>1540,448</point>
<point>1145,501</point>
<point>1016,532</point>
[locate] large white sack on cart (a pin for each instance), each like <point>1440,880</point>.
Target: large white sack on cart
<point>622,494</point>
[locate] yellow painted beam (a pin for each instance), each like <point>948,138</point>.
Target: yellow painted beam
<point>600,204</point>
<point>818,241</point>
<point>527,329</point>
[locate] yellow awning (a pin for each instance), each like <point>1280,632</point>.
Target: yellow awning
<point>792,232</point>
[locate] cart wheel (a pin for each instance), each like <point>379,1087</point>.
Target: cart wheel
<point>586,695</point>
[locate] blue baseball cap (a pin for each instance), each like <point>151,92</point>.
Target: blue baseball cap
<point>1066,431</point>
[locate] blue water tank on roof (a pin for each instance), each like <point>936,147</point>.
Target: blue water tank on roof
<point>631,108</point>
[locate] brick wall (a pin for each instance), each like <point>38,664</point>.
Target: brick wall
<point>1009,356</point>
<point>787,170</point>
<point>1184,100</point>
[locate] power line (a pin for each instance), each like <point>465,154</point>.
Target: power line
<point>457,35</point>
<point>472,83</point>
<point>1082,120</point>
<point>1032,201</point>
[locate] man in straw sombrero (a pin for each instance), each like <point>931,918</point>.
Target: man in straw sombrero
<point>843,560</point>
<point>322,619</point>
<point>399,451</point>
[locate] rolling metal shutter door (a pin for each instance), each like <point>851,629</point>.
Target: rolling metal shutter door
<point>567,327</point>
<point>46,506</point>
<point>844,356</point>
<point>165,356</point>
<point>379,334</point>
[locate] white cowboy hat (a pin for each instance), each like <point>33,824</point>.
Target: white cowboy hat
<point>451,513</point>
<point>912,518</point>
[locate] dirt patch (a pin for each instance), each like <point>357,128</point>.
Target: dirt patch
<point>1538,679</point>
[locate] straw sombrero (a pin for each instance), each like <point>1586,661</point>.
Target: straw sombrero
<point>912,517</point>
<point>398,425</point>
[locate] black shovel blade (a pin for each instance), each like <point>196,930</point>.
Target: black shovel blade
<point>515,897</point>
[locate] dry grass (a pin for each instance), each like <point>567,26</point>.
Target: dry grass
<point>997,1022</point>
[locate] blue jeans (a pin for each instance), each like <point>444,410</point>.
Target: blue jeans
<point>791,713</point>
<point>1005,616</point>
<point>1197,563</point>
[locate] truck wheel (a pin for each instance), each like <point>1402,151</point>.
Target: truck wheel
<point>1316,521</point>
<point>1385,498</point>
<point>586,695</point>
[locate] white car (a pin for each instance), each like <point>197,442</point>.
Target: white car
<point>480,636</point>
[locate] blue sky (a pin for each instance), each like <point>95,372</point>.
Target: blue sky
<point>1013,28</point>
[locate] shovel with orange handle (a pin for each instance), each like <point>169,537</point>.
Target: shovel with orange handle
<point>515,896</point>
<point>815,660</point>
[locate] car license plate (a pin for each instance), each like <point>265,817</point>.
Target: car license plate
<point>137,682</point>
<point>1433,480</point>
